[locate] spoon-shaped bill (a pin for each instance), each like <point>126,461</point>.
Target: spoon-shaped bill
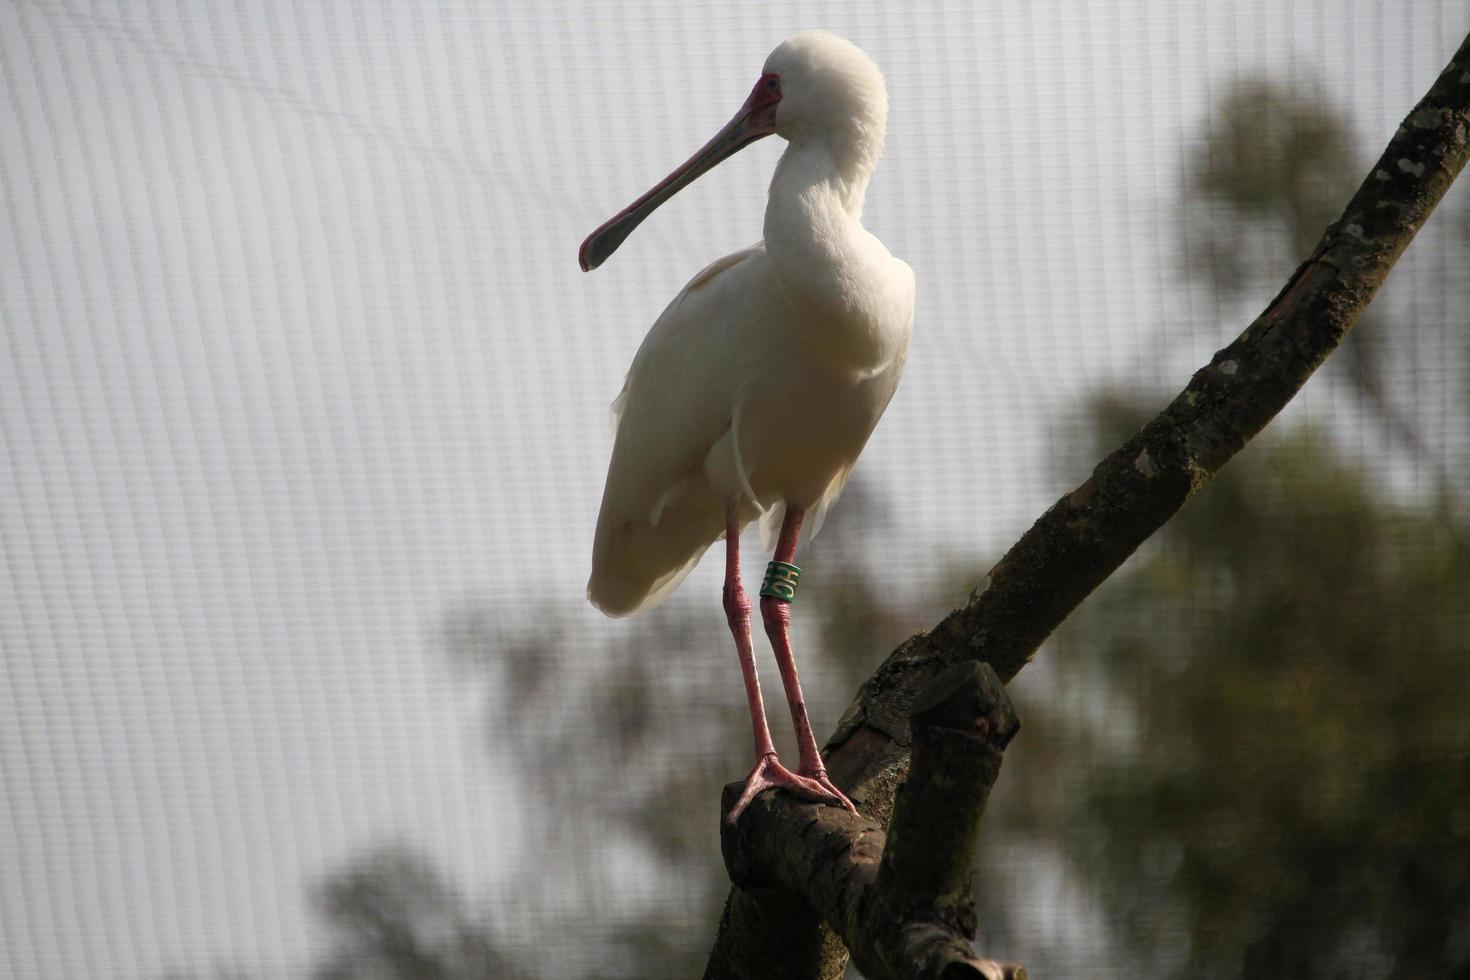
<point>756,118</point>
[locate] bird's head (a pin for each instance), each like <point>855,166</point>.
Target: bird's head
<point>815,87</point>
<point>830,92</point>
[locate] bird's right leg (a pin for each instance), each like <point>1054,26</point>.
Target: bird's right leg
<point>768,772</point>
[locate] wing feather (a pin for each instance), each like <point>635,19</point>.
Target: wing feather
<point>658,513</point>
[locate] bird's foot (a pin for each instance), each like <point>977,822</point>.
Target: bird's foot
<point>818,775</point>
<point>770,774</point>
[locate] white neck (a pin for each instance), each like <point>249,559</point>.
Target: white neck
<point>813,227</point>
<point>853,299</point>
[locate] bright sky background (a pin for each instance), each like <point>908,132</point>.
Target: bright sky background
<point>297,356</point>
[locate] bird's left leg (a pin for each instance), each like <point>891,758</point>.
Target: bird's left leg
<point>776,614</point>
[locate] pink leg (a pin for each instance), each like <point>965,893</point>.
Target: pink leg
<point>776,615</point>
<point>768,772</point>
<point>737,614</point>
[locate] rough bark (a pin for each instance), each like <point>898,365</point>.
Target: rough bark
<point>1090,531</point>
<point>901,905</point>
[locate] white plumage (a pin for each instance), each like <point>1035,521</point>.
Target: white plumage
<point>765,376</point>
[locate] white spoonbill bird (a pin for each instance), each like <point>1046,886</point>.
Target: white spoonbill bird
<point>760,383</point>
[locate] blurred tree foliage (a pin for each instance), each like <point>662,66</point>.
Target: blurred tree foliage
<point>1256,754</point>
<point>1275,167</point>
<point>1277,751</point>
<point>392,917</point>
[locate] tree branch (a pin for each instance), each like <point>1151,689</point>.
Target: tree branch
<point>961,723</point>
<point>1088,533</point>
<point>903,906</point>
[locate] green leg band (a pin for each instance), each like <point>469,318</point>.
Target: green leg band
<point>780,581</point>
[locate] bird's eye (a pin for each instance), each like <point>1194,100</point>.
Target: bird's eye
<point>774,84</point>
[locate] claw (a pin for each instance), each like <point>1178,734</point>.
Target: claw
<point>770,774</point>
<point>819,776</point>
